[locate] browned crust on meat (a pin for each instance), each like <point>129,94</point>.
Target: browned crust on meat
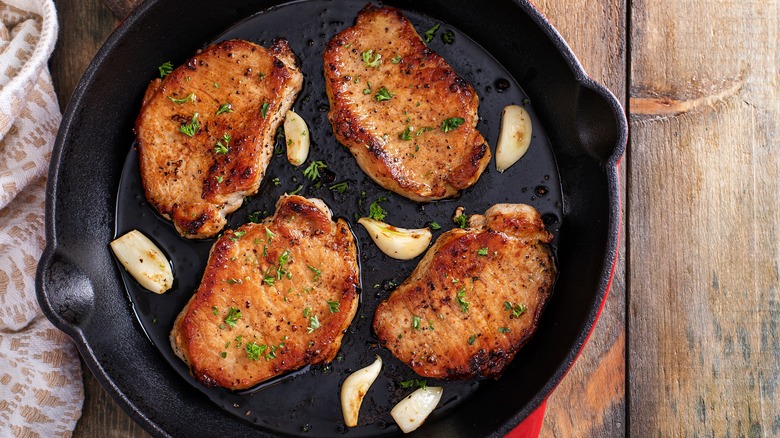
<point>275,314</point>
<point>431,165</point>
<point>185,178</point>
<point>517,268</point>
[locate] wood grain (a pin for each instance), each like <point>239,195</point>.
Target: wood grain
<point>704,218</point>
<point>590,401</point>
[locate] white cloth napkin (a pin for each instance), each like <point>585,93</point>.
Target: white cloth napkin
<point>41,391</point>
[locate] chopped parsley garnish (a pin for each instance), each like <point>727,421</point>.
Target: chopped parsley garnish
<point>219,179</point>
<point>482,251</point>
<point>264,109</point>
<point>383,94</point>
<point>165,69</point>
<point>407,134</point>
<point>191,128</point>
<point>430,33</point>
<point>451,124</point>
<point>254,351</point>
<point>460,297</point>
<point>277,182</point>
<point>421,130</point>
<point>233,316</point>
<point>317,273</point>
<point>225,108</point>
<point>375,211</point>
<point>416,322</point>
<point>232,281</point>
<point>214,310</point>
<point>340,187</point>
<point>435,226</point>
<point>281,272</point>
<point>448,37</point>
<point>261,76</point>
<point>368,89</point>
<point>370,59</point>
<point>313,171</point>
<point>314,323</point>
<point>516,309</point>
<point>268,234</point>
<point>222,145</point>
<point>255,217</point>
<point>414,382</point>
<point>269,280</point>
<point>188,98</point>
<point>396,59</point>
<point>462,220</point>
<point>472,339</point>
<point>503,330</point>
<point>223,354</point>
<point>296,191</point>
<point>237,235</point>
<point>306,312</point>
<point>334,306</point>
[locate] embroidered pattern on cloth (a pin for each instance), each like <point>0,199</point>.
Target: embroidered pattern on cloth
<point>41,392</point>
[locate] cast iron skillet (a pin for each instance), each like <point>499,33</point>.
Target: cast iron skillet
<point>90,199</point>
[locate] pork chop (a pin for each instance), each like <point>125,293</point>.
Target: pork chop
<point>206,131</point>
<point>275,296</point>
<point>474,299</point>
<point>406,116</point>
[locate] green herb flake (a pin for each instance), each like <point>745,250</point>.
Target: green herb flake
<point>296,191</point>
<point>269,235</point>
<point>414,382</point>
<point>368,89</point>
<point>165,69</point>
<point>396,59</point>
<point>416,322</point>
<point>237,235</point>
<point>430,33</point>
<point>435,226</point>
<point>317,273</point>
<point>232,281</point>
<point>370,59</point>
<point>191,128</point>
<point>219,179</point>
<point>314,323</point>
<point>421,130</point>
<point>451,124</point>
<point>334,306</point>
<point>269,280</point>
<point>233,316</point>
<point>225,108</point>
<point>340,187</point>
<point>383,94</point>
<point>261,76</point>
<point>254,351</point>
<point>264,109</point>
<point>462,221</point>
<point>189,98</point>
<point>460,297</point>
<point>503,330</point>
<point>407,134</point>
<point>214,310</point>
<point>255,217</point>
<point>483,252</point>
<point>375,211</point>
<point>313,170</point>
<point>448,37</point>
<point>516,309</point>
<point>222,145</point>
<point>223,354</point>
<point>472,339</point>
<point>216,84</point>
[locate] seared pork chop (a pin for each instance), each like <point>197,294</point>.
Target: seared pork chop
<point>274,297</point>
<point>206,131</point>
<point>402,111</point>
<point>474,299</point>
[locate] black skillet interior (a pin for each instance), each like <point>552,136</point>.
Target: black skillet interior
<point>82,291</point>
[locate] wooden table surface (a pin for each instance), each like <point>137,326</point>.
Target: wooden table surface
<point>688,343</point>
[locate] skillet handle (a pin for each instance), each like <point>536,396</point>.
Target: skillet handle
<point>532,425</point>
<point>65,293</point>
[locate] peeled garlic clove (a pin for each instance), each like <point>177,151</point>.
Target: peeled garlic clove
<point>354,389</point>
<point>296,134</point>
<point>144,261</point>
<point>515,136</point>
<point>410,412</point>
<point>398,243</point>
